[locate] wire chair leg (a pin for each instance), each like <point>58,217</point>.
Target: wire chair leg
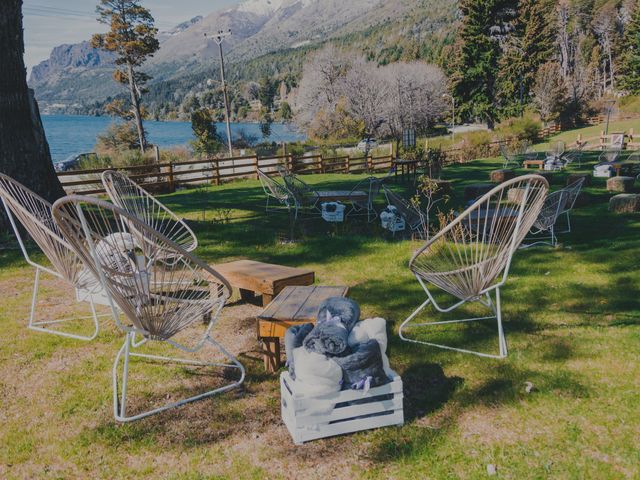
<point>42,325</point>
<point>496,309</point>
<point>125,353</point>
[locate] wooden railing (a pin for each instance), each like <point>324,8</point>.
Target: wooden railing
<point>218,170</point>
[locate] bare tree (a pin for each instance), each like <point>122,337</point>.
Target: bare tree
<point>415,96</point>
<point>320,85</point>
<point>604,25</point>
<point>549,91</point>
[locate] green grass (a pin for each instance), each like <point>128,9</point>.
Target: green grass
<point>572,320</point>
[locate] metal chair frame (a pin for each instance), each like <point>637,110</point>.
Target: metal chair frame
<point>34,213</point>
<point>479,250</point>
<point>415,219</point>
<point>131,288</point>
<point>552,208</point>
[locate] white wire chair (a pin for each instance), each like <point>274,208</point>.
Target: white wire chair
<point>158,300</point>
<point>543,229</point>
<point>134,199</point>
<point>279,192</point>
<point>34,213</point>
<point>513,152</point>
<point>361,206</point>
<point>572,193</point>
<point>471,257</point>
<point>414,218</point>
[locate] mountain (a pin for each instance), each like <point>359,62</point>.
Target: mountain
<point>268,37</point>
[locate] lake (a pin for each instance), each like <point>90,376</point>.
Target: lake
<point>71,134</point>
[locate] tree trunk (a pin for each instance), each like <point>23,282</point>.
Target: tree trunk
<point>135,101</point>
<point>24,151</point>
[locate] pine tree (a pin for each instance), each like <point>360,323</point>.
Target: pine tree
<point>531,44</point>
<point>132,36</point>
<point>630,64</point>
<point>476,58</point>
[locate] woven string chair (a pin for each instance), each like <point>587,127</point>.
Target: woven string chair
<point>279,192</point>
<point>159,301</point>
<point>414,218</point>
<point>543,229</point>
<point>513,153</point>
<point>371,186</point>
<point>34,213</point>
<point>572,193</point>
<point>134,199</point>
<point>470,258</point>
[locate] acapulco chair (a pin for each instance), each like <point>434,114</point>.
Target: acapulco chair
<point>134,199</point>
<point>159,301</point>
<point>34,213</point>
<point>546,222</point>
<point>470,258</point>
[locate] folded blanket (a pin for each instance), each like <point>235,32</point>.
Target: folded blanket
<point>372,329</point>
<point>293,339</point>
<point>316,375</point>
<point>362,367</point>
<point>345,308</point>
<point>336,318</point>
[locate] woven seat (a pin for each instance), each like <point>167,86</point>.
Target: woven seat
<point>134,199</point>
<point>158,300</point>
<point>470,258</point>
<point>34,213</point>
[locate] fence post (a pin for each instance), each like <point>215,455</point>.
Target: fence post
<point>370,163</point>
<point>171,184</point>
<point>321,164</point>
<point>348,164</point>
<point>217,171</point>
<point>156,152</point>
<point>255,162</point>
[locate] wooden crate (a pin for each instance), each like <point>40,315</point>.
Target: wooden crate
<point>385,400</point>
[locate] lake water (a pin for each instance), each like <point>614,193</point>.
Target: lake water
<point>72,134</point>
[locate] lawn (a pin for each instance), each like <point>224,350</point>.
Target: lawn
<point>572,321</point>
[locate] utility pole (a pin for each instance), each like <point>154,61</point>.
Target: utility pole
<point>219,38</point>
<point>453,114</point>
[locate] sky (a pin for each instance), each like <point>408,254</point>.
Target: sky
<point>49,23</point>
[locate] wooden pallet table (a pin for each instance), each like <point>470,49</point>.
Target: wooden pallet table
<point>533,163</point>
<point>265,279</point>
<point>292,306</point>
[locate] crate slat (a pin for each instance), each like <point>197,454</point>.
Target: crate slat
<point>304,427</point>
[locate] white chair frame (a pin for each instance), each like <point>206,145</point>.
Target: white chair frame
<point>543,230</point>
<point>533,195</point>
<point>72,219</point>
<point>18,199</point>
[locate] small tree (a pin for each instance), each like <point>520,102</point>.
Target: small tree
<point>132,36</point>
<point>549,91</point>
<point>204,129</point>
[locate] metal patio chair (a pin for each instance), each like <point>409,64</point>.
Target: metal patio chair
<point>470,258</point>
<point>572,193</point>
<point>513,153</point>
<point>543,229</point>
<point>134,199</point>
<point>414,218</point>
<point>34,213</point>
<point>157,300</point>
<point>279,192</point>
<point>371,186</point>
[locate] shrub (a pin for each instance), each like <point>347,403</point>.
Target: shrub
<point>477,145</point>
<point>525,128</point>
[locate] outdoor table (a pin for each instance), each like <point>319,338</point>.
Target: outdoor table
<point>341,196</point>
<point>267,279</point>
<point>406,167</point>
<point>292,306</point>
<point>531,163</point>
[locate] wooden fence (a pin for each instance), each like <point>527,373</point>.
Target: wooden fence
<point>218,170</point>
